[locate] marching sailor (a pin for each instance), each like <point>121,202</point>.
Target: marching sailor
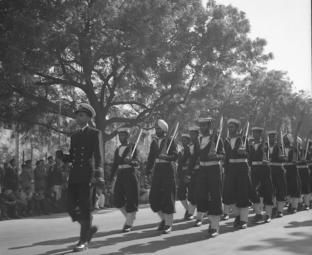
<point>86,158</point>
<point>260,175</point>
<point>238,189</point>
<point>163,152</point>
<point>126,192</point>
<point>209,177</point>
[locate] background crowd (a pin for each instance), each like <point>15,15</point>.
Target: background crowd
<point>41,189</point>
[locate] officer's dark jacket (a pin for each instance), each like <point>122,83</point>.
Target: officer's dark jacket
<point>85,154</point>
<point>156,150</point>
<point>183,161</point>
<point>119,160</point>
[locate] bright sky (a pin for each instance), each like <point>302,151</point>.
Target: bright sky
<point>286,26</point>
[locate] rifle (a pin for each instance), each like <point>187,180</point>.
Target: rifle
<point>173,136</point>
<point>219,135</point>
<point>137,142</point>
<point>246,135</point>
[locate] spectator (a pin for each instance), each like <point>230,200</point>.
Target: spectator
<point>30,170</point>
<point>25,179</point>
<point>41,202</point>
<point>8,199</point>
<point>55,180</point>
<point>10,180</point>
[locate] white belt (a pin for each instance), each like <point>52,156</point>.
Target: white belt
<point>238,160</point>
<point>305,166</point>
<point>257,163</point>
<point>161,161</point>
<point>288,164</point>
<point>276,164</point>
<point>209,163</point>
<point>124,166</point>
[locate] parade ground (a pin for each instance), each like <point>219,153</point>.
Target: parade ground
<point>56,234</point>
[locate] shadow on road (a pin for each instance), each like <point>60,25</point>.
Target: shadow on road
<point>298,242</point>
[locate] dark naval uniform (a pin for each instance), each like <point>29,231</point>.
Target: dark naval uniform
<point>85,155</point>
<point>193,171</point>
<point>237,184</point>
<point>209,178</point>
<point>126,191</point>
<point>261,176</point>
<point>278,176</point>
<point>304,173</point>
<point>183,174</point>
<point>292,178</point>
<point>163,188</point>
<point>238,190</point>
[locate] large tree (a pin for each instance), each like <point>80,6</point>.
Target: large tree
<point>132,60</point>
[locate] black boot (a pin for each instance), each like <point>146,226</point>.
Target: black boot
<point>83,241</point>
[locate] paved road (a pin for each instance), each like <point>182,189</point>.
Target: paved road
<point>55,234</point>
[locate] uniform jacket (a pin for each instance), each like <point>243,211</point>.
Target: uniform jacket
<point>119,158</point>
<point>234,153</point>
<point>85,154</point>
<point>194,156</point>
<point>257,151</point>
<point>205,149</point>
<point>183,161</point>
<point>156,150</point>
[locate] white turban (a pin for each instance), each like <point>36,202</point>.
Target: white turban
<point>163,125</point>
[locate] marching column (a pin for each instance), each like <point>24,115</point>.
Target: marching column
<point>126,192</point>
<point>159,164</point>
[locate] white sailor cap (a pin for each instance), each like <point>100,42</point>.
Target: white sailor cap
<point>124,130</point>
<point>163,125</point>
<point>185,135</point>
<point>204,119</point>
<point>235,121</point>
<point>257,129</point>
<point>88,109</point>
<point>271,132</point>
<point>193,128</point>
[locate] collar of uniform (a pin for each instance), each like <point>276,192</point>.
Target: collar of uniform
<point>84,128</point>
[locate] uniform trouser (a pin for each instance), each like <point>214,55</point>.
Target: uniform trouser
<point>293,181</point>
<point>163,190</point>
<point>192,187</point>
<point>237,185</point>
<point>126,191</point>
<point>304,174</point>
<point>262,183</point>
<point>183,189</point>
<point>80,201</point>
<point>279,183</point>
<point>208,192</point>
